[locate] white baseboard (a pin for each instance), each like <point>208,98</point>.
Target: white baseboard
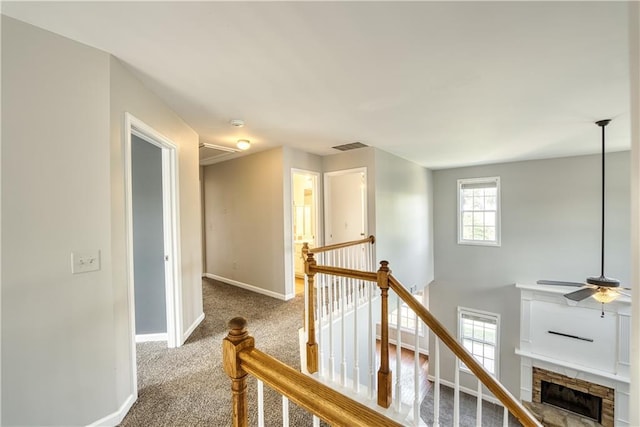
<point>192,328</point>
<point>115,418</point>
<point>151,337</point>
<point>467,390</point>
<point>248,287</point>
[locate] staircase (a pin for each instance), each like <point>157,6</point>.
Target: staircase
<point>347,315</point>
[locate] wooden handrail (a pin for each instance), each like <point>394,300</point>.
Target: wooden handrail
<point>370,239</point>
<point>240,358</point>
<point>498,390</point>
<point>344,272</point>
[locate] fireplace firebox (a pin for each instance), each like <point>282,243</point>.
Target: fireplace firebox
<point>576,401</point>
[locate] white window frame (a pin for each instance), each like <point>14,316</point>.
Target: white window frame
<point>492,317</point>
<point>494,180</point>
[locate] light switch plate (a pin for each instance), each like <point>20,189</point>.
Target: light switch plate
<point>85,261</point>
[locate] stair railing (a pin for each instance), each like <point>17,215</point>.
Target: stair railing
<point>241,358</point>
<point>387,282</point>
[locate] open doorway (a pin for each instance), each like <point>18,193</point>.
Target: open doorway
<point>151,221</point>
<point>304,219</point>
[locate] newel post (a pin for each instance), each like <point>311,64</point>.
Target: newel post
<point>312,345</point>
<point>237,340</point>
<point>384,374</point>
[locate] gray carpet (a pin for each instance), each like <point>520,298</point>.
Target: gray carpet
<point>186,386</point>
<point>491,413</point>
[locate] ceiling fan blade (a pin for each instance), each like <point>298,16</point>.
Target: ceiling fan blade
<point>627,289</point>
<point>558,283</point>
<point>580,294</point>
<point>624,293</point>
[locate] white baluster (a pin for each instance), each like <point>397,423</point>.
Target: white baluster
<point>343,330</point>
<point>285,412</point>
<point>456,395</point>
<point>332,371</point>
<point>505,417</point>
<point>479,405</point>
<point>436,391</point>
<point>260,403</point>
<point>316,421</point>
<point>416,373</point>
<point>319,283</point>
<point>356,349</point>
<point>372,343</point>
<point>398,354</point>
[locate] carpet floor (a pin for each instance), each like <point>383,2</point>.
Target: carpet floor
<point>187,386</point>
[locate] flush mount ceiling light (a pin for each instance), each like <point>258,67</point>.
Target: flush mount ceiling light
<point>237,123</point>
<point>243,144</point>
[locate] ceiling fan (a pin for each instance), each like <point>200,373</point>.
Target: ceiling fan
<point>603,289</point>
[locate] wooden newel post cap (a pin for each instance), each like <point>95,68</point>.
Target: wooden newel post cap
<point>237,328</point>
<point>237,340</point>
<point>384,265</point>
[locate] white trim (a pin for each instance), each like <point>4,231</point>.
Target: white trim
<point>490,317</point>
<point>173,275</point>
<point>290,293</point>
<point>485,395</point>
<point>116,417</point>
<point>173,285</point>
<point>251,288</point>
<point>490,179</point>
<point>151,337</point>
<point>573,366</point>
<point>193,327</point>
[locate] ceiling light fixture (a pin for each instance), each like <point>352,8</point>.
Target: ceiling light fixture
<point>243,144</point>
<point>605,295</point>
<point>237,123</point>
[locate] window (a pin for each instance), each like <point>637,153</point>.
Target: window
<point>479,211</point>
<point>407,316</point>
<point>478,331</point>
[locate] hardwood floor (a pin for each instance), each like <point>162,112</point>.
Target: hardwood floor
<point>406,384</point>
<point>299,286</point>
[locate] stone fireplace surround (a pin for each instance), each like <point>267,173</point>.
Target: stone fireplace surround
<point>607,394</point>
<point>599,357</point>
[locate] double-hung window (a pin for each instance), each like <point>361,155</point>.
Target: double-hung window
<point>479,333</point>
<point>479,211</point>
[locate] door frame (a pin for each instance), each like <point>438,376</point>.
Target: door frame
<point>173,288</point>
<point>316,207</point>
<point>327,200</point>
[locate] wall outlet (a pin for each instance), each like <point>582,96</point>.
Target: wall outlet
<point>85,261</point>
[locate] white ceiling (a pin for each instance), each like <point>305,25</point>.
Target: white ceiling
<point>441,83</point>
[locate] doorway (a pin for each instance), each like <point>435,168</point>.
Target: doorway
<point>151,222</point>
<point>345,205</point>
<point>304,219</point>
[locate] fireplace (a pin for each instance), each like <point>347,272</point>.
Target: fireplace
<point>575,401</point>
<point>584,398</point>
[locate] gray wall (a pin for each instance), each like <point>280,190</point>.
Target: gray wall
<point>550,230</point>
<point>57,328</point>
<point>65,338</point>
<point>245,217</point>
<point>404,215</point>
<point>127,94</point>
<point>148,237</point>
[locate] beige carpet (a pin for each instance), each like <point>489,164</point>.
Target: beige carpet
<point>186,386</point>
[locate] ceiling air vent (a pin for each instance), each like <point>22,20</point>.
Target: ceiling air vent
<point>351,146</point>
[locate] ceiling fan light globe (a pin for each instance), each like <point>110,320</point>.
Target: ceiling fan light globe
<point>605,295</point>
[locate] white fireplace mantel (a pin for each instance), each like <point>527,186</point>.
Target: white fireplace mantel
<point>572,339</point>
